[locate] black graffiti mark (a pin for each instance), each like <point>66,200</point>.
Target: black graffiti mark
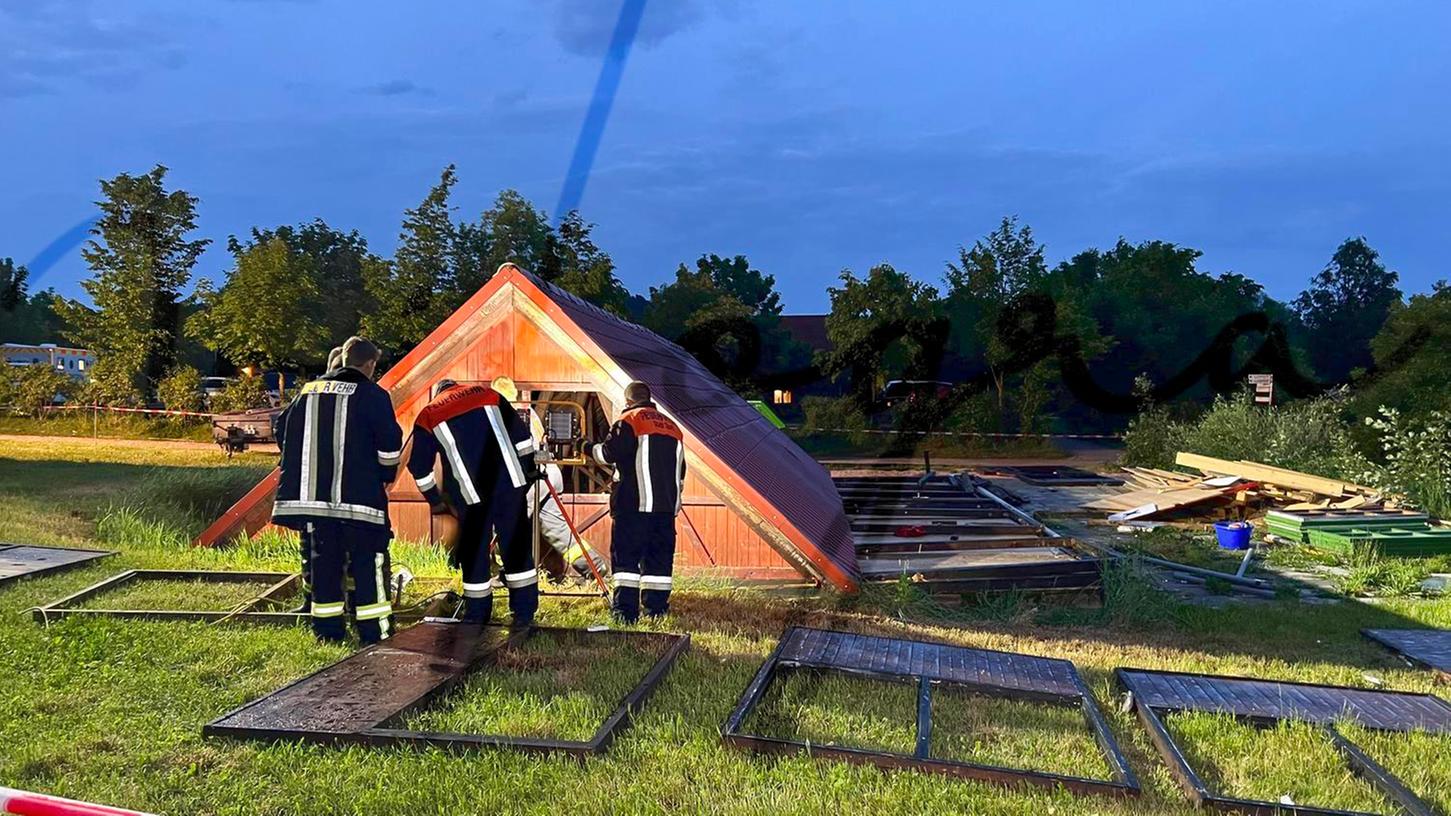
<point>1028,327</point>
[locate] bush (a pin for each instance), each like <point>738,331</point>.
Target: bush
<point>1417,459</point>
<point>835,415</point>
<point>242,394</point>
<point>1310,435</point>
<point>181,389</point>
<point>38,387</point>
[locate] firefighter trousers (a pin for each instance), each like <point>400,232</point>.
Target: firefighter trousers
<point>336,549</point>
<point>642,558</point>
<point>504,518</point>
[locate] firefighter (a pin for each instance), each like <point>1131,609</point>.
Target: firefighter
<point>648,456</point>
<point>341,448</point>
<point>554,528</point>
<point>488,463</point>
<point>334,362</point>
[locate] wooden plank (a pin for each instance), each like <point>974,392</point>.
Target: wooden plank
<point>1254,471</point>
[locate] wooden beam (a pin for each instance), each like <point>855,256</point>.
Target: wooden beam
<point>1257,472</point>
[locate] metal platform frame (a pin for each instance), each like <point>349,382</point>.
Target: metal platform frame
<point>887,667</point>
<point>957,516</point>
<point>76,558</point>
<point>1202,795</point>
<point>385,733</point>
<point>258,609</point>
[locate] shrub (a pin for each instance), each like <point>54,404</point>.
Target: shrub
<point>181,389</point>
<point>1417,459</point>
<point>38,387</point>
<point>834,415</point>
<point>1310,435</point>
<point>241,395</point>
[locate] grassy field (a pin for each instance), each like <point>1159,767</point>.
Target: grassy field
<point>84,424</point>
<point>112,711</point>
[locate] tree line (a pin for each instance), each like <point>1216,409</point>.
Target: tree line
<point>1026,343</point>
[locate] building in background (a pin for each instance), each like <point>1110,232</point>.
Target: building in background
<point>77,363</point>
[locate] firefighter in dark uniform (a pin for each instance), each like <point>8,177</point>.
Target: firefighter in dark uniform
<point>341,448</point>
<point>488,464</point>
<point>334,363</point>
<point>648,456</point>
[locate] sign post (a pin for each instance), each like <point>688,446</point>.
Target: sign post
<point>1264,388</point>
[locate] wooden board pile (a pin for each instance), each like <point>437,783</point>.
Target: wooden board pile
<point>1225,485</point>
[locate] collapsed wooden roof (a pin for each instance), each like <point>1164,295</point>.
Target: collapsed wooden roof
<point>780,491</point>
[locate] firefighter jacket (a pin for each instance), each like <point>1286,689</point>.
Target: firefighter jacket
<point>341,447</point>
<point>646,450</point>
<point>485,445</point>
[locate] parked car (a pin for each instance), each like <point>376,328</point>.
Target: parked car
<point>213,387</point>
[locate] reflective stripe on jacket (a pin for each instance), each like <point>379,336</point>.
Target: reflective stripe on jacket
<point>480,437</point>
<point>341,447</point>
<point>648,454</point>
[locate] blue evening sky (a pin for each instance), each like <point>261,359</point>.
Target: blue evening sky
<point>810,136</point>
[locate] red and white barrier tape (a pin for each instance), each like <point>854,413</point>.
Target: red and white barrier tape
<point>154,411</point>
<point>22,803</point>
<point>971,433</point>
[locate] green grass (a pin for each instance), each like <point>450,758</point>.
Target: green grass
<point>112,711</point>
<point>865,445</point>
<point>839,710</point>
<point>555,687</point>
<point>1015,734</point>
<point>188,595</point>
<point>109,426</point>
<point>1291,759</point>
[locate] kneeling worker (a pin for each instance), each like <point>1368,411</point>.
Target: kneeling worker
<point>488,463</point>
<point>646,450</point>
<point>341,447</point>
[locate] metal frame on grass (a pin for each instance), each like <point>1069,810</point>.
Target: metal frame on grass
<point>384,732</point>
<point>74,558</point>
<point>280,585</point>
<point>1356,759</point>
<point>893,664</point>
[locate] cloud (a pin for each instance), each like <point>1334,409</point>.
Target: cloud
<point>47,46</point>
<point>584,27</point>
<point>398,87</point>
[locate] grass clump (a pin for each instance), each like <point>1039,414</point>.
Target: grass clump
<point>176,594</point>
<point>1014,734</point>
<point>553,686</point>
<point>1290,759</point>
<point>831,708</point>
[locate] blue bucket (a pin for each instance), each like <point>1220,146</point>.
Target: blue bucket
<point>1233,535</point>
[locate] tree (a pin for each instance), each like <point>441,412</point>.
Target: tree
<point>511,231</point>
<point>1412,375</point>
<point>418,289</point>
<point>264,312</point>
<point>881,327</point>
<point>584,269</point>
<point>39,385</point>
<point>1344,307</point>
<point>335,260</point>
<point>181,389</point>
<point>727,314</point>
<point>12,285</point>
<point>140,264</point>
<point>981,289</point>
